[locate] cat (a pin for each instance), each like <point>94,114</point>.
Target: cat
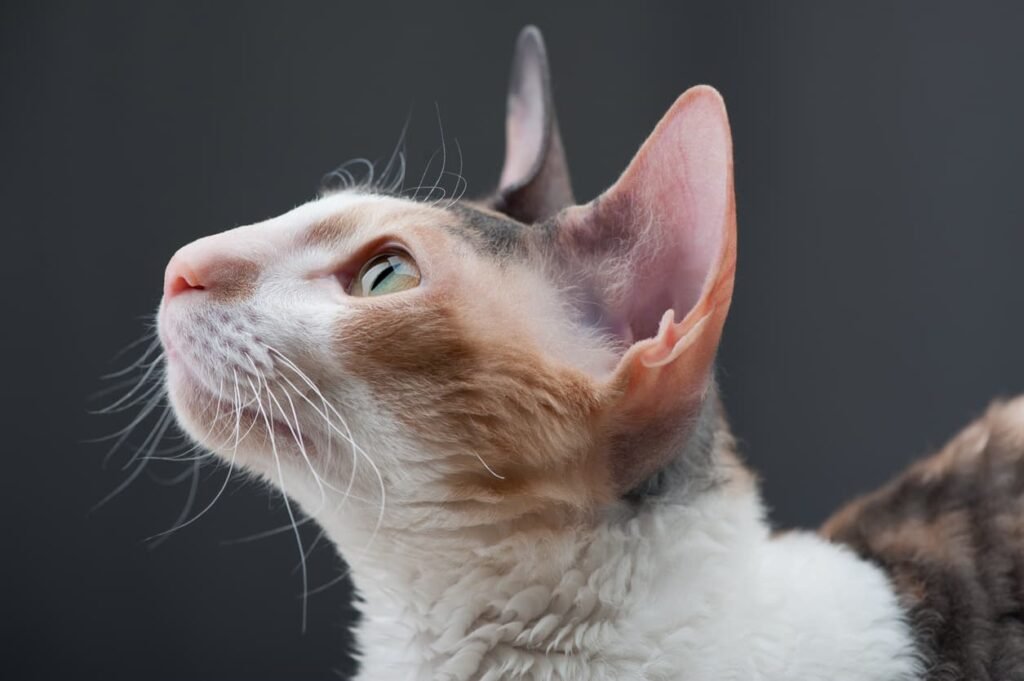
<point>503,413</point>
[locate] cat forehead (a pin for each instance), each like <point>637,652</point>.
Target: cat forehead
<point>338,218</point>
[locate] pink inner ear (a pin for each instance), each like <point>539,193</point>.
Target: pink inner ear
<point>672,202</point>
<point>524,126</point>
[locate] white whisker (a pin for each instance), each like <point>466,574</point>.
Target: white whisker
<point>152,440</point>
<point>133,391</point>
<point>193,490</point>
<point>124,433</point>
<point>162,424</point>
<point>181,522</point>
<point>327,419</point>
<point>423,177</point>
<point>268,422</point>
<point>266,533</point>
<point>444,154</point>
<point>398,154</point>
<point>347,492</point>
<point>380,478</point>
<point>297,436</point>
<point>154,343</point>
<point>460,182</point>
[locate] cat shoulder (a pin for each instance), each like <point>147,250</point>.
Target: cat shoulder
<point>984,462</point>
<point>949,534</point>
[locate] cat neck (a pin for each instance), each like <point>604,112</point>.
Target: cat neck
<point>671,587</point>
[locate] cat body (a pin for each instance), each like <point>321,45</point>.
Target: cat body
<point>503,414</point>
<point>694,589</point>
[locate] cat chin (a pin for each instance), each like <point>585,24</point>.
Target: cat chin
<point>211,420</point>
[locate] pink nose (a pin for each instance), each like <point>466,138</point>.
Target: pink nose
<point>180,277</point>
<point>212,264</point>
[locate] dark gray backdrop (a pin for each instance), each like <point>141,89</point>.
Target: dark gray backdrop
<point>878,306</point>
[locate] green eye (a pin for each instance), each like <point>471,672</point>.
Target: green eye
<point>386,273</point>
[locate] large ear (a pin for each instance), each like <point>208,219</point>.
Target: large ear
<point>656,255</point>
<point>534,182</point>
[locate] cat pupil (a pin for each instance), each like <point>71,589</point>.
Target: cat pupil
<point>384,274</point>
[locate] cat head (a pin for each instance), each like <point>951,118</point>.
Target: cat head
<point>408,364</point>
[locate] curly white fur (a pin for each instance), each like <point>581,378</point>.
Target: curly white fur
<point>675,591</point>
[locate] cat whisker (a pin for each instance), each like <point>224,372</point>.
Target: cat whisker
<point>320,481</point>
<point>431,190</point>
<point>122,434</point>
<point>155,389</point>
<point>398,154</point>
<point>347,436</point>
<point>193,491</point>
<point>182,458</point>
<point>211,403</point>
<point>154,343</point>
<point>380,481</point>
<point>326,417</point>
<point>444,154</point>
<point>268,421</point>
<point>124,383</point>
<point>380,478</point>
<point>396,184</point>
<point>172,480</point>
<point>345,176</point>
<point>181,451</point>
<point>299,442</point>
<point>460,182</point>
<point>266,533</point>
<point>148,384</point>
<point>145,360</point>
<point>148,444</point>
<point>162,424</point>
<point>334,581</point>
<point>309,551</point>
<point>423,176</point>
<point>181,522</point>
<point>124,398</point>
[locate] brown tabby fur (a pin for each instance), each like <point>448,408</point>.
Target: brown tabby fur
<point>950,533</point>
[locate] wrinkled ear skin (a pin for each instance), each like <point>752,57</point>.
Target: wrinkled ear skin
<point>534,182</point>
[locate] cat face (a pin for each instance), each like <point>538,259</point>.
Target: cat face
<point>446,366</point>
<point>365,335</point>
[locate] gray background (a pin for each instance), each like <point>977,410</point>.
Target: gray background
<point>878,306</point>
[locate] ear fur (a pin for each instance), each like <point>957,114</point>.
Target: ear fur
<point>658,253</point>
<point>534,182</point>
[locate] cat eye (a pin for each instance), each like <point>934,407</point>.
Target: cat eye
<point>388,272</point>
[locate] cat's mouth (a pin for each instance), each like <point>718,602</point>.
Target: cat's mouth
<point>224,422</point>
